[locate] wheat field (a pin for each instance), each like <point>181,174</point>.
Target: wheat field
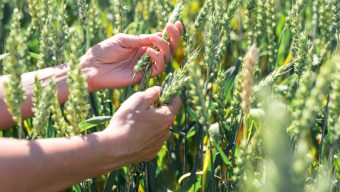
<point>259,81</point>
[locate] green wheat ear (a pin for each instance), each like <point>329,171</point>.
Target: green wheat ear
<point>54,36</point>
<point>334,113</point>
<point>177,82</point>
<point>14,66</point>
<point>77,105</point>
<point>118,8</point>
<point>42,108</point>
<point>60,125</point>
<point>315,99</point>
<point>33,9</point>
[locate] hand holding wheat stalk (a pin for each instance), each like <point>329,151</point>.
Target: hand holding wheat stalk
<point>144,64</point>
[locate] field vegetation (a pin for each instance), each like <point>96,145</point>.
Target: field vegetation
<point>259,81</point>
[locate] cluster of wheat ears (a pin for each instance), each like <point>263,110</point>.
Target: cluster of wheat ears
<point>259,80</point>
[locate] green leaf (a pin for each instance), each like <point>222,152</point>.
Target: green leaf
<point>206,168</point>
<point>197,186</point>
<point>34,55</point>
<point>89,123</point>
<point>223,155</point>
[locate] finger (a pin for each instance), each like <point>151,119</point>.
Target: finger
<point>159,34</point>
<point>163,46</point>
<point>174,35</point>
<point>152,95</point>
<point>167,113</point>
<point>134,41</point>
<point>172,108</point>
<point>157,68</point>
<point>151,153</point>
<point>179,26</point>
<point>163,136</point>
<point>159,59</point>
<point>133,102</point>
<point>160,136</point>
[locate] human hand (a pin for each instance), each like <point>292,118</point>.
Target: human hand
<point>110,63</point>
<point>140,128</point>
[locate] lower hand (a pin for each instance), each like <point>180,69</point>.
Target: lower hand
<point>140,128</point>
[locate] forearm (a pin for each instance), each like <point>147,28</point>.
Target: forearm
<point>54,164</point>
<point>28,79</point>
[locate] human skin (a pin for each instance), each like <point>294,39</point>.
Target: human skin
<point>135,133</point>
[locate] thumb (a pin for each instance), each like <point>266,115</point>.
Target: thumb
<point>151,96</point>
<point>175,104</point>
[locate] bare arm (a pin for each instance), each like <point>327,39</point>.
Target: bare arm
<point>53,164</point>
<point>135,134</point>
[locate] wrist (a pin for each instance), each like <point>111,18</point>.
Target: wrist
<point>111,149</point>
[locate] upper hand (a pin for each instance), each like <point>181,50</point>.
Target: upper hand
<point>110,63</point>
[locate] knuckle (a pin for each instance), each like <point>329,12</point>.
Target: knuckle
<point>166,111</point>
<point>120,36</point>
